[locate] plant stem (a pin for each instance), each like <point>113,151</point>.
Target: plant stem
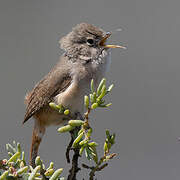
<point>74,169</point>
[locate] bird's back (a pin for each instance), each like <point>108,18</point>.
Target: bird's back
<point>55,82</point>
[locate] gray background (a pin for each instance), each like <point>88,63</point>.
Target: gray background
<point>146,98</point>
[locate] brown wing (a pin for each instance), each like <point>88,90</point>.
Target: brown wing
<point>43,93</point>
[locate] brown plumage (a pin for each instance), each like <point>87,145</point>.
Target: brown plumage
<point>43,93</point>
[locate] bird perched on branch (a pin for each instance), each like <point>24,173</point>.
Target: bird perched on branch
<point>86,57</point>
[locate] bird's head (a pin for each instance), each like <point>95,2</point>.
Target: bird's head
<point>85,39</point>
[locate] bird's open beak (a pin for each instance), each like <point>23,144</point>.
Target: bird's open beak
<point>102,42</point>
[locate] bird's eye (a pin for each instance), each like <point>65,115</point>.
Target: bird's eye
<point>90,41</point>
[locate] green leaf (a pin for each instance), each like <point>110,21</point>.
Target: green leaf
<point>92,85</point>
<point>108,135</point>
<point>75,123</point>
<point>56,174</point>
<point>33,174</point>
<point>49,172</point>
<point>23,156</point>
<point>105,147</point>
<point>4,175</point>
<point>103,93</point>
<point>112,140</point>
<point>107,105</point>
<point>53,106</point>
<point>110,88</point>
<point>86,101</point>
<point>88,153</point>
<point>103,82</point>
<point>92,144</point>
<point>89,132</point>
<point>83,142</point>
<point>92,151</point>
<point>91,97</point>
<point>37,178</point>
<point>66,112</point>
<point>22,170</point>
<point>76,141</point>
<point>65,128</point>
<point>80,131</point>
<point>62,178</point>
<point>38,161</point>
<point>18,147</point>
<point>94,105</point>
<point>22,164</point>
<point>61,108</point>
<point>94,154</point>
<point>81,150</point>
<point>51,165</point>
<point>14,157</point>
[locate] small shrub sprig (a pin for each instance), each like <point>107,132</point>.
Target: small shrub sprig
<point>16,168</point>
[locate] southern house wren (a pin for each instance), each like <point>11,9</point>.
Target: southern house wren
<point>86,57</point>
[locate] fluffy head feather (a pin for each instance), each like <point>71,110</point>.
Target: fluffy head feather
<point>77,40</point>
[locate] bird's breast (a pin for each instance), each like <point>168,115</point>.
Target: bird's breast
<point>73,96</point>
<point>101,66</point>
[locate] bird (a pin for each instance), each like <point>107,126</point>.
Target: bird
<point>86,56</point>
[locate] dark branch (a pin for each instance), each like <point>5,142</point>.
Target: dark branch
<point>69,149</point>
<point>74,169</point>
